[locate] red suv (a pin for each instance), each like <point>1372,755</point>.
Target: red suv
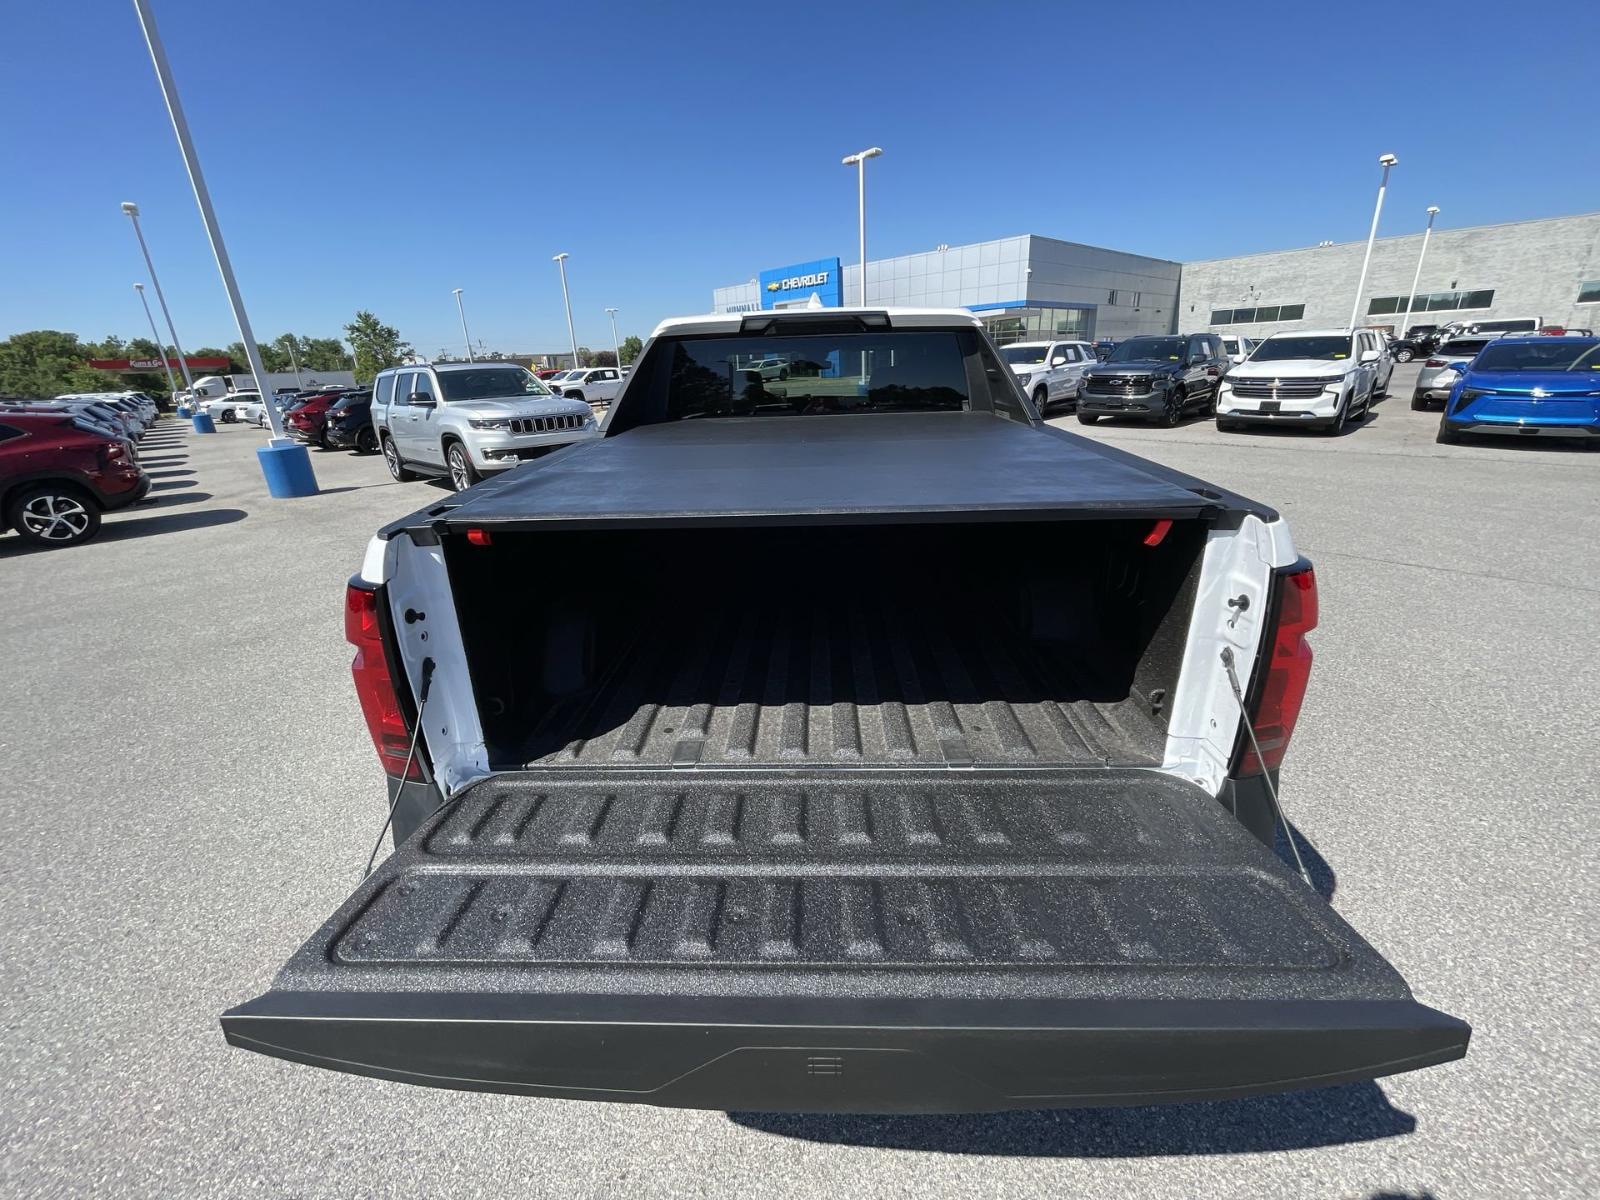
<point>57,477</point>
<point>307,421</point>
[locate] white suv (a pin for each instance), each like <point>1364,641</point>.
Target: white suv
<point>596,385</point>
<point>1050,372</point>
<point>464,420</point>
<point>1316,378</point>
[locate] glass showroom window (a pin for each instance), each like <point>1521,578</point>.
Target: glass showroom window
<point>1589,291</point>
<point>1431,302</point>
<point>1265,312</point>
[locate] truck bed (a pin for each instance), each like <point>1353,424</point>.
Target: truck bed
<point>857,682</point>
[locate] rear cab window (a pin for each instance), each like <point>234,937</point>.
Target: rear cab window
<point>835,369</point>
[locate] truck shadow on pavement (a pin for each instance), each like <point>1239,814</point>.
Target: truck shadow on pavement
<point>1334,1116</point>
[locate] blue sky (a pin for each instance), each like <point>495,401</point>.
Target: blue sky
<point>376,155</point>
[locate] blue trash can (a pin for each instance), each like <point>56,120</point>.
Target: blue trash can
<point>287,466</point>
<point>183,411</point>
<point>203,423</point>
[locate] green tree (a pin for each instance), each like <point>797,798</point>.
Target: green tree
<point>324,354</point>
<point>47,362</point>
<point>630,348</point>
<point>601,358</point>
<point>376,345</point>
<point>234,366</point>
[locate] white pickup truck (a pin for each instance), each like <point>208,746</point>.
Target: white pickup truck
<point>755,755</point>
<point>594,385</point>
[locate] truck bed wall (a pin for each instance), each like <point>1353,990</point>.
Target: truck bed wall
<point>1040,643</point>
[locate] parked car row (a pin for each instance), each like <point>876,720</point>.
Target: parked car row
<point>67,461</point>
<point>1422,340</point>
<point>456,421</point>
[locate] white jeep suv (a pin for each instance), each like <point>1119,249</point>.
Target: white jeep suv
<point>464,420</point>
<point>1315,378</point>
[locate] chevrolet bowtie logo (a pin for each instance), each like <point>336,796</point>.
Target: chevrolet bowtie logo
<point>773,286</point>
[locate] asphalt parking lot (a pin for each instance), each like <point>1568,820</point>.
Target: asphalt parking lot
<point>189,789</point>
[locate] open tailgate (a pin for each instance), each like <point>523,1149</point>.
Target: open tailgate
<point>927,942</point>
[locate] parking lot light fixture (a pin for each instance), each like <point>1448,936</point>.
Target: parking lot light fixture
<point>616,346</point>
<point>285,464</point>
<point>172,384</point>
<point>462,313</point>
<point>132,211</point>
<point>561,261</point>
<point>1411,296</point>
<point>1385,161</point>
<point>858,160</point>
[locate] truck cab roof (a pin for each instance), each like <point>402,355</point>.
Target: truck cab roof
<point>738,322</point>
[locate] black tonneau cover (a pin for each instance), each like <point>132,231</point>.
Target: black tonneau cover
<point>955,465</point>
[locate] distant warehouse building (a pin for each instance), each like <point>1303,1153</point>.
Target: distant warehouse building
<point>1548,269</point>
<point>1022,288</point>
<point>1033,287</point>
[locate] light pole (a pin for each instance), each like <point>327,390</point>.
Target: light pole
<point>859,162</point>
<point>286,464</point>
<point>294,361</point>
<point>462,313</point>
<point>561,261</point>
<point>1385,161</point>
<point>172,384</point>
<point>616,346</point>
<point>132,209</point>
<point>1411,296</point>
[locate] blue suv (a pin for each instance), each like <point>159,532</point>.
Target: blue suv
<point>1527,387</point>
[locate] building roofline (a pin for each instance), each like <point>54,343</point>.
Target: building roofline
<point>1393,237</point>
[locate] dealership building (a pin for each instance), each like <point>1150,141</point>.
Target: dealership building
<point>1033,287</point>
<point>1021,287</point>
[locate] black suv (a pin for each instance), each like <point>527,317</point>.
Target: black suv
<point>1159,378</point>
<point>349,424</point>
<point>1419,342</point>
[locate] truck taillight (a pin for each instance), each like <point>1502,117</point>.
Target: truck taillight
<point>1288,670</point>
<point>380,703</point>
<point>1435,362</point>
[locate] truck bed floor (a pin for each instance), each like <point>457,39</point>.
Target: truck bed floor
<point>860,682</point>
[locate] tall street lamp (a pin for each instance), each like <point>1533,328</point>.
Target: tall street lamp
<point>132,209</point>
<point>1411,297</point>
<point>294,361</point>
<point>561,261</point>
<point>172,384</point>
<point>1385,161</point>
<point>462,313</point>
<point>616,347</point>
<point>285,463</point>
<point>859,162</point>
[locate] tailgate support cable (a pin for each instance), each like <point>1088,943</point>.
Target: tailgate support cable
<point>1266,775</point>
<point>405,774</point>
